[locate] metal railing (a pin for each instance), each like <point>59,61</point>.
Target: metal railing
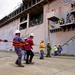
<point>70,40</point>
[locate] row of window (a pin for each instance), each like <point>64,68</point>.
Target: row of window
<point>23,7</point>
<point>34,19</point>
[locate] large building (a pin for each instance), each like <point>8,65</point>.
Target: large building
<point>49,20</point>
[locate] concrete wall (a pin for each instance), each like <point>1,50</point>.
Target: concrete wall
<point>61,8</point>
<point>7,32</point>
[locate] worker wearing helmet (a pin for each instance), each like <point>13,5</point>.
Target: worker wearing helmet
<point>55,50</point>
<point>59,49</point>
<point>28,47</point>
<point>42,46</point>
<point>25,53</point>
<point>48,49</point>
<point>60,21</point>
<point>18,50</point>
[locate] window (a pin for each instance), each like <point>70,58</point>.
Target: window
<point>22,8</point>
<point>29,4</point>
<point>34,1</point>
<point>23,18</point>
<point>36,19</point>
<point>23,26</point>
<point>38,0</point>
<point>19,10</point>
<point>26,6</point>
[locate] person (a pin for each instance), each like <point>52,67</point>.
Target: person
<point>41,49</point>
<point>73,19</point>
<point>59,50</point>
<point>18,49</point>
<point>60,21</point>
<point>72,6</point>
<point>25,53</point>
<point>68,20</point>
<point>63,21</point>
<point>48,49</point>
<point>55,50</point>
<point>28,47</point>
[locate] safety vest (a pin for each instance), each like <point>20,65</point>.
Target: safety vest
<point>60,21</point>
<point>55,48</point>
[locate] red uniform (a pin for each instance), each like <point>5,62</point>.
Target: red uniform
<point>28,47</point>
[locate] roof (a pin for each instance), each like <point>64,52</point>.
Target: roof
<point>26,0</point>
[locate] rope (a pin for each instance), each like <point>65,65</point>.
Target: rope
<point>5,40</point>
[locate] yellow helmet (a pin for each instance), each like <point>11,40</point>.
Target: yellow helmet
<point>48,42</point>
<point>54,44</point>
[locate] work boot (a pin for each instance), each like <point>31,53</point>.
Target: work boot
<point>46,56</point>
<point>27,63</point>
<point>16,63</point>
<point>20,65</point>
<point>31,62</point>
<point>49,56</point>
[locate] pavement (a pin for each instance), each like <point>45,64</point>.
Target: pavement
<point>55,65</point>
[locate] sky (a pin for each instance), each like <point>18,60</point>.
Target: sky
<point>7,6</point>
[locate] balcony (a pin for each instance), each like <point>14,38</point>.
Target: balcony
<point>68,26</point>
<point>55,28</point>
<point>52,16</point>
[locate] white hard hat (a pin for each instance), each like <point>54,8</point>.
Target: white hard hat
<point>25,38</point>
<point>17,31</point>
<point>31,34</point>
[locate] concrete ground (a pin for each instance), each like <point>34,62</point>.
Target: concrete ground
<point>56,65</point>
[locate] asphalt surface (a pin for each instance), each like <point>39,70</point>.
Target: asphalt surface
<point>55,65</point>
